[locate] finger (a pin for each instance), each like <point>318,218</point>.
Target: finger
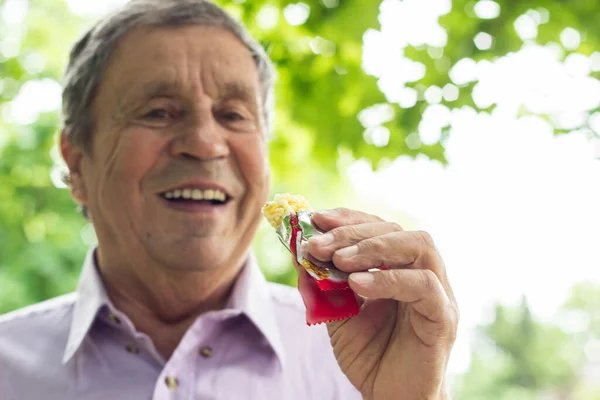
<point>326,220</point>
<point>401,249</point>
<point>396,249</point>
<point>323,246</point>
<point>419,288</point>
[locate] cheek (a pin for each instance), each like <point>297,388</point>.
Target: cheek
<point>251,154</point>
<point>126,160</point>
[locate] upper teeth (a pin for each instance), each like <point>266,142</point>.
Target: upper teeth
<point>196,194</point>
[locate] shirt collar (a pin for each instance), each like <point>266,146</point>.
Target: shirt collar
<point>91,297</point>
<point>250,295</point>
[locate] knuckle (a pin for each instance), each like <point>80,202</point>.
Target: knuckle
<point>356,216</point>
<point>440,331</point>
<point>376,245</point>
<point>429,280</point>
<point>453,330</point>
<point>448,331</point>
<point>395,226</point>
<point>425,239</point>
<point>346,234</point>
<point>372,251</point>
<point>427,249</point>
<point>444,312</point>
<point>336,233</point>
<point>343,211</point>
<point>456,313</point>
<point>445,322</point>
<point>389,278</point>
<point>454,319</point>
<point>450,318</point>
<point>449,325</point>
<point>375,218</point>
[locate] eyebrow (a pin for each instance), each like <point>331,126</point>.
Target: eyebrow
<point>226,91</point>
<point>237,90</point>
<point>153,89</point>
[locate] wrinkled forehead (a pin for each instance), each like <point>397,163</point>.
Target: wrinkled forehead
<point>165,59</point>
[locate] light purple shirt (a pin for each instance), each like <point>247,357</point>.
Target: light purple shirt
<point>79,346</point>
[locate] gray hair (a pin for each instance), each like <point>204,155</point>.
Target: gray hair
<point>89,56</point>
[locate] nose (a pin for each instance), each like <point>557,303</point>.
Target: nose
<point>201,138</point>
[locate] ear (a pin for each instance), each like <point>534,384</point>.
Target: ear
<point>73,156</point>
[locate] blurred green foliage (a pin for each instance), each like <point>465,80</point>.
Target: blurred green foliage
<point>40,244</point>
<point>519,357</point>
<point>43,238</point>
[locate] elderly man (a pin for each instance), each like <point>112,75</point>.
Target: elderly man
<point>167,110</point>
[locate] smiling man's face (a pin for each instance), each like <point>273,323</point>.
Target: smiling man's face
<point>177,170</point>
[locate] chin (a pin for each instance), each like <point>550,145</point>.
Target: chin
<point>199,258</point>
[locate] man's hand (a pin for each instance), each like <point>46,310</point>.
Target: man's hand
<point>399,345</point>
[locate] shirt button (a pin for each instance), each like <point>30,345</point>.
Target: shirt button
<point>114,318</point>
<point>171,382</point>
<point>206,352</point>
<point>132,349</point>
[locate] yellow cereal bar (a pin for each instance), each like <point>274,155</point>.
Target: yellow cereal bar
<point>284,204</point>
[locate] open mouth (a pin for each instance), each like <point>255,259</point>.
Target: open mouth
<point>196,196</point>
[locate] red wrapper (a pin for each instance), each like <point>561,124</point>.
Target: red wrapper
<point>326,295</point>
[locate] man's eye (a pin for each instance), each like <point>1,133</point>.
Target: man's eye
<point>159,113</point>
<point>232,116</point>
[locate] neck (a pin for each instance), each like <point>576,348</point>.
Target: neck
<point>163,303</point>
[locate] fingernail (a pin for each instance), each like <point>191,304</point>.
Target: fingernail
<point>347,252</point>
<point>328,213</point>
<point>363,278</point>
<point>322,240</point>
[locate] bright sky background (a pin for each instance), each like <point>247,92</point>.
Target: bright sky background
<point>517,211</point>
